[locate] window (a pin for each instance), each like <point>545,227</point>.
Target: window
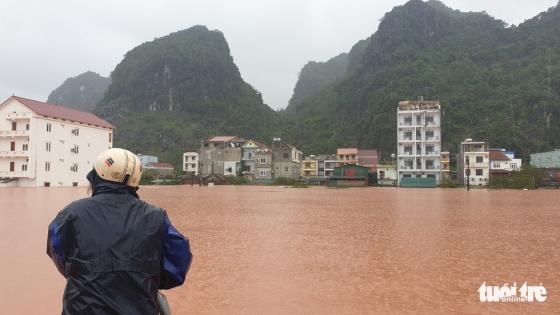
<point>47,166</point>
<point>431,176</point>
<point>479,159</point>
<point>12,166</point>
<point>193,165</point>
<point>250,155</point>
<point>479,172</point>
<point>76,132</point>
<point>418,120</point>
<point>48,147</point>
<point>193,157</point>
<point>12,146</point>
<point>110,137</point>
<point>74,168</point>
<point>49,127</point>
<point>75,149</point>
<point>75,184</point>
<point>408,150</point>
<point>408,135</point>
<point>205,143</point>
<point>496,165</point>
<point>430,164</point>
<point>47,184</point>
<point>14,126</point>
<point>24,147</point>
<point>286,155</point>
<point>408,121</point>
<point>286,169</point>
<point>263,160</point>
<point>263,173</point>
<point>429,120</point>
<point>429,134</point>
<point>430,149</point>
<point>27,127</point>
<point>24,167</point>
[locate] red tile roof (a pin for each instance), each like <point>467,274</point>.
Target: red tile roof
<point>498,155</point>
<point>60,112</point>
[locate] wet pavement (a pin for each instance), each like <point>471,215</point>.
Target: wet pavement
<point>275,250</point>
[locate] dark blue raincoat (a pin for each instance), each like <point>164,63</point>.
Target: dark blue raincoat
<point>116,252</point>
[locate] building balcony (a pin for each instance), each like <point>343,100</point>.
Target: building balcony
<point>14,133</point>
<point>18,174</point>
<point>432,139</point>
<point>19,116</point>
<point>13,154</point>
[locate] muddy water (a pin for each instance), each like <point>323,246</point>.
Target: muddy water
<point>273,250</point>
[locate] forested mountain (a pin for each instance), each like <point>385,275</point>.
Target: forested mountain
<point>82,92</point>
<point>317,75</point>
<point>169,93</point>
<point>494,82</point>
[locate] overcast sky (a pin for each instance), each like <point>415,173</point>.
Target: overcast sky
<point>45,42</point>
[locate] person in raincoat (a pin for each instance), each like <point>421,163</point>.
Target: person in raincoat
<point>115,250</point>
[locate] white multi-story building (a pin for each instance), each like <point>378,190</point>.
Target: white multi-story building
<point>473,163</point>
<point>48,145</point>
<point>419,139</point>
<point>190,162</point>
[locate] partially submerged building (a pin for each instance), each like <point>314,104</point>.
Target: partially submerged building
<point>419,141</point>
<point>44,144</point>
<point>549,162</point>
<point>473,163</point>
<point>286,159</point>
<point>190,163</point>
<point>349,175</point>
<point>387,175</point>
<point>221,155</point>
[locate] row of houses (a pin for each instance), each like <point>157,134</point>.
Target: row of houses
<point>233,156</point>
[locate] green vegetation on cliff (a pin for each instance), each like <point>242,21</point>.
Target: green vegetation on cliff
<point>494,82</point>
<point>82,92</point>
<point>169,93</point>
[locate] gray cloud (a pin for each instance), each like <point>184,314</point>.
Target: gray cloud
<point>45,42</point>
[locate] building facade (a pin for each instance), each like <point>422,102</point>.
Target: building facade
<point>503,162</point>
<point>286,159</point>
<point>310,166</point>
<point>387,175</point>
<point>43,144</point>
<point>445,166</point>
<point>145,159</point>
<point>549,159</point>
<point>347,156</point>
<point>263,165</point>
<point>190,163</point>
<point>221,155</point>
<point>369,159</point>
<point>473,163</point>
<point>419,140</point>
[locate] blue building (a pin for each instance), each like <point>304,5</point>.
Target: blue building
<point>549,159</point>
<point>145,159</point>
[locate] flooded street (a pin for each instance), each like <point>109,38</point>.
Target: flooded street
<point>274,250</point>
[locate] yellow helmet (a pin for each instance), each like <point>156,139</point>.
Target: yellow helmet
<point>120,166</point>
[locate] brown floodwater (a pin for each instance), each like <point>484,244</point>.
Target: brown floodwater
<point>274,250</point>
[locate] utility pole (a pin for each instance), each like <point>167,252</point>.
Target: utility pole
<point>468,173</point>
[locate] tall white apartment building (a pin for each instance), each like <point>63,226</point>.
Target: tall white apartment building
<point>190,162</point>
<point>48,145</point>
<point>419,139</point>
